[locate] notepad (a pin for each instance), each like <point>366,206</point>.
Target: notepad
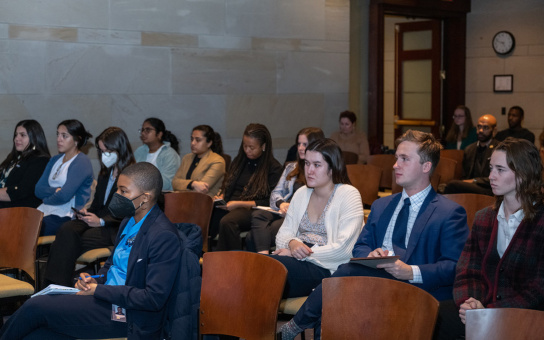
<point>56,290</point>
<point>372,262</point>
<point>265,208</point>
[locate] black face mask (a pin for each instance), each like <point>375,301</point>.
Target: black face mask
<point>121,207</point>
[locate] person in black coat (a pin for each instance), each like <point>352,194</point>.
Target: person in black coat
<point>96,227</point>
<point>23,166</point>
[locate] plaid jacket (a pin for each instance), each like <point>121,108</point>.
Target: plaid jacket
<point>518,279</point>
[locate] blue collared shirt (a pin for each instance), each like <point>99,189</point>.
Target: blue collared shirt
<point>117,274</point>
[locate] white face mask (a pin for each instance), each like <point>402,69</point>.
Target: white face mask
<point>109,158</point>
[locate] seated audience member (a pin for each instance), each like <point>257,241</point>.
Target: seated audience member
<point>96,227</point>
<point>23,166</point>
<point>138,276</point>
<point>426,230</point>
<point>160,148</point>
<point>502,264</point>
<point>515,118</point>
<point>265,224</point>
<point>203,169</point>
<point>462,132</point>
<point>67,179</point>
<point>322,223</point>
<point>476,161</point>
<point>250,179</point>
<point>350,139</point>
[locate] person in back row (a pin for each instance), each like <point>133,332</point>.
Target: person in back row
<point>349,139</point>
<point>426,230</point>
<point>515,118</point>
<point>476,161</point>
<point>265,224</point>
<point>67,179</point>
<point>138,277</point>
<point>160,148</point>
<point>23,166</point>
<point>203,169</point>
<point>462,132</point>
<point>95,227</point>
<point>250,179</point>
<point>502,264</point>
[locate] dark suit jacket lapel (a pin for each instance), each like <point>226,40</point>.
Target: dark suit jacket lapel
<point>138,242</point>
<point>384,220</point>
<point>425,212</point>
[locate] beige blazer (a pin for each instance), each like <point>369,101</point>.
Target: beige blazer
<point>210,169</point>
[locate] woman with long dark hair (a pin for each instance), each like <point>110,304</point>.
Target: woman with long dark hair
<point>161,148</point>
<point>203,169</point>
<point>23,166</point>
<point>265,224</point>
<point>250,179</point>
<point>462,132</point>
<point>67,179</point>
<point>323,222</point>
<point>95,227</point>
<point>502,264</point>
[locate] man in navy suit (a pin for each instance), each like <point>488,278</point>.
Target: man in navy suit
<point>139,276</point>
<point>429,236</point>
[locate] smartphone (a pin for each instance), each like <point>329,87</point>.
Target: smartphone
<point>78,213</point>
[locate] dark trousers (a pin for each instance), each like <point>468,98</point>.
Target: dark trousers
<point>264,227</point>
<point>302,276</point>
<point>63,317</point>
<point>51,223</point>
<point>448,325</point>
<point>73,239</point>
<point>460,187</point>
<point>230,226</point>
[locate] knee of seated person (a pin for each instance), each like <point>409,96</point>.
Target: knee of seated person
<point>66,230</point>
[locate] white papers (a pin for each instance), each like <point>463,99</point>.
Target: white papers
<point>261,207</point>
<point>56,289</point>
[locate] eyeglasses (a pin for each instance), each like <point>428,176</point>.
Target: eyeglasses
<point>146,130</point>
<point>454,116</point>
<point>483,127</point>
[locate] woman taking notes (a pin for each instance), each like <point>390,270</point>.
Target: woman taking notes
<point>67,179</point>
<point>323,221</point>
<point>203,169</point>
<point>24,165</point>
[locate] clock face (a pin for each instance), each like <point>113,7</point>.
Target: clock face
<point>503,42</point>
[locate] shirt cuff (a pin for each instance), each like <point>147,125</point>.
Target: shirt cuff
<point>102,222</point>
<point>417,275</point>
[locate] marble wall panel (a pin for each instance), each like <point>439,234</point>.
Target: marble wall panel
<point>479,73</point>
<point>110,37</point>
<point>22,65</point>
<point>180,114</point>
<point>71,13</point>
<point>274,44</point>
<point>335,103</point>
<point>223,72</point>
<point>43,33</point>
<point>4,31</point>
<point>284,115</point>
<point>13,110</point>
<point>169,39</point>
<point>95,69</point>
<point>276,18</point>
<point>337,19</point>
<point>224,42</point>
<point>178,16</point>
<point>527,77</point>
<point>324,46</point>
<point>313,72</point>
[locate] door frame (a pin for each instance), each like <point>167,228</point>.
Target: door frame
<point>453,15</point>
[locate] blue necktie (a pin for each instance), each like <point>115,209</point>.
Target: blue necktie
<point>399,233</point>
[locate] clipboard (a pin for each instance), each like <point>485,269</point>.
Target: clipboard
<point>372,262</point>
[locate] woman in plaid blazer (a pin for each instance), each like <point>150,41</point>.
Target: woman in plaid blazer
<point>502,264</point>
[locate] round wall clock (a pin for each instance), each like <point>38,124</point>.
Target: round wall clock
<point>503,42</point>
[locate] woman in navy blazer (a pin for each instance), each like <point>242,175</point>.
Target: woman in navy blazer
<point>139,276</point>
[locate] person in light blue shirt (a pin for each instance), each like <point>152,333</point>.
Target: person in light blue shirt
<point>139,276</point>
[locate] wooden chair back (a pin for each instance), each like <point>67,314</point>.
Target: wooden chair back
<point>366,178</point>
<point>444,172</point>
<point>19,232</point>
<point>376,308</point>
<point>350,157</point>
<point>456,155</point>
<point>472,203</point>
<point>504,324</point>
<point>241,293</point>
<point>190,207</point>
<point>384,162</point>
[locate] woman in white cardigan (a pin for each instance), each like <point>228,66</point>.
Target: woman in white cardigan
<point>322,223</point>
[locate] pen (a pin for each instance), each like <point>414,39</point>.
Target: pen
<point>92,277</point>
